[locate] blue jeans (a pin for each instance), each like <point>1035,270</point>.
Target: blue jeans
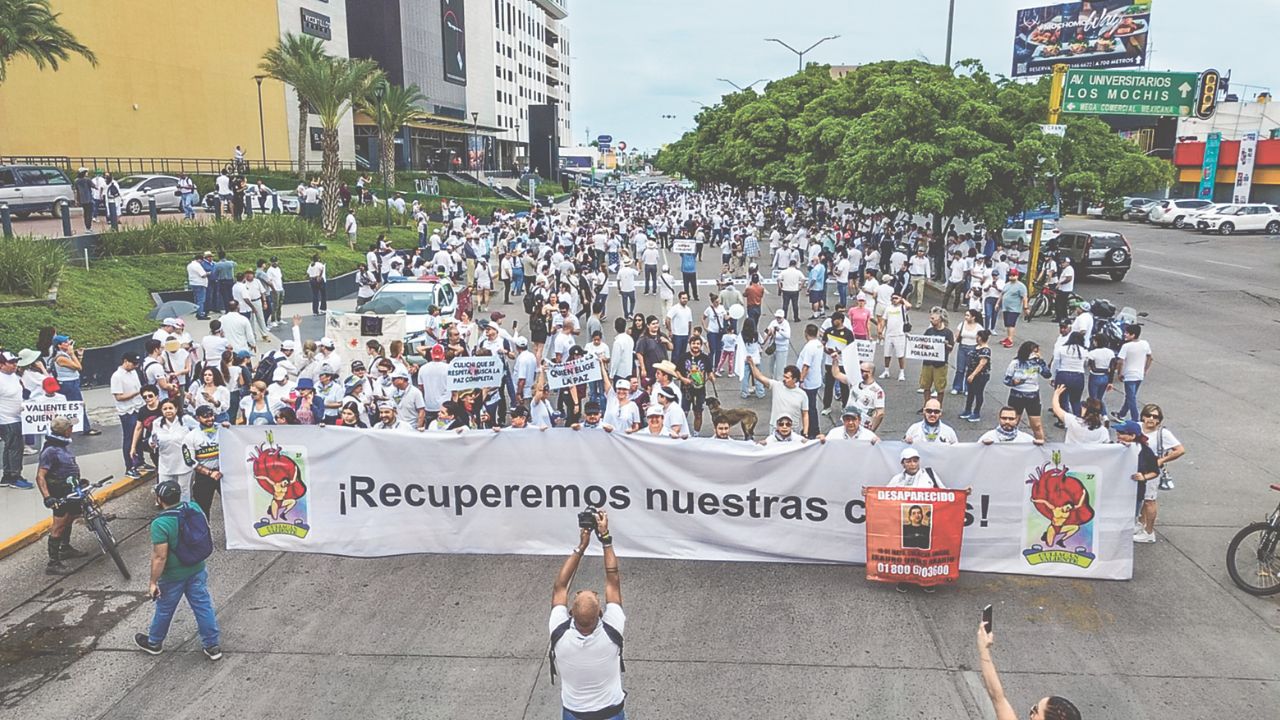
<point>989,313</point>
<point>679,347</point>
<point>200,293</point>
<point>842,289</point>
<point>517,280</point>
<point>1098,390</point>
<point>1075,387</point>
<point>622,715</point>
<point>196,590</point>
<point>128,422</point>
<point>1130,399</point>
<point>749,380</point>
<point>71,390</point>
<point>188,205</point>
<point>961,383</point>
<point>628,303</point>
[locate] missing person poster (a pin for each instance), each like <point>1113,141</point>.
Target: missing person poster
<point>914,534</point>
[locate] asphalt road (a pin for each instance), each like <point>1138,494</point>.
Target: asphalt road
<point>464,636</point>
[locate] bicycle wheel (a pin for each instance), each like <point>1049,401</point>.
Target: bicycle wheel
<point>1253,561</point>
<point>99,527</point>
<point>1040,307</point>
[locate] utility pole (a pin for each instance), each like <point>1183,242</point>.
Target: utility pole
<point>951,17</point>
<point>1037,227</point>
<point>801,53</point>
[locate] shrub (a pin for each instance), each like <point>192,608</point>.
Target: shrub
<point>29,266</point>
<point>261,231</point>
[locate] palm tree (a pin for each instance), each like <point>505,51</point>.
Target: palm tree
<point>331,87</point>
<point>30,28</point>
<point>285,62</point>
<point>390,106</point>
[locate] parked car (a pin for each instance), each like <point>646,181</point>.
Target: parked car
<point>1253,217</point>
<point>1022,233</point>
<point>287,199</point>
<point>137,191</point>
<point>414,297</point>
<point>1194,216</point>
<point>1097,252</point>
<point>31,189</point>
<point>1175,212</point>
<point>1139,210</point>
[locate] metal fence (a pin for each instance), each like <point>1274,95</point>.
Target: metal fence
<point>160,165</point>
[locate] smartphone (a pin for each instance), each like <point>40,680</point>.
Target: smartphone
<point>986,618</point>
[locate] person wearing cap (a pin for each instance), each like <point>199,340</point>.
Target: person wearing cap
<point>307,405</point>
<point>655,422</point>
<point>408,401</point>
<point>1130,433</point>
<point>168,326</point>
<point>55,475</point>
<point>201,454</point>
<point>328,394</point>
<point>275,290</point>
<point>126,390</point>
<point>591,418</point>
<point>666,289</point>
<point>250,294</point>
<point>327,354</point>
<point>913,475</point>
<point>851,427</point>
<point>674,421</point>
<point>388,418</point>
<point>67,359</point>
<point>649,258</point>
<point>171,580</point>
<point>1013,304</point>
<point>777,335</point>
<point>783,433</point>
<point>519,420</point>
<point>621,411</point>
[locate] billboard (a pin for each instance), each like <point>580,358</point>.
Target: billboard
<point>1090,34</point>
<point>453,33</point>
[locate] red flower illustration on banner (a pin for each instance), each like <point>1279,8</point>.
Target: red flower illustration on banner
<point>279,476</point>
<point>1063,500</point>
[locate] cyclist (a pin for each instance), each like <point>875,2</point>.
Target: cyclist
<point>57,471</point>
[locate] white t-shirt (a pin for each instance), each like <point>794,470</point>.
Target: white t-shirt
<point>590,666</point>
<point>681,317</point>
<point>196,274</point>
<point>894,320</point>
<point>124,382</point>
<point>785,401</point>
<point>839,433</point>
<point>626,279</point>
<point>924,478</point>
<point>623,357</point>
<point>1067,279</point>
<point>1134,354</point>
<point>1079,434</point>
<point>812,355</point>
<point>943,433</point>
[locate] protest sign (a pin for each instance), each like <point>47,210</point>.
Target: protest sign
<point>466,373</point>
<point>926,347</point>
<point>914,534</point>
<point>854,354</point>
<point>1056,510</point>
<point>684,246</point>
<point>577,371</point>
<point>37,414</point>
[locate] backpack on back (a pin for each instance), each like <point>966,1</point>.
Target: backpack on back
<point>194,540</point>
<point>266,369</point>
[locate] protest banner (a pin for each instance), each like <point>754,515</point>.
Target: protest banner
<point>684,246</point>
<point>854,354</point>
<point>37,414</point>
<point>466,373</point>
<point>926,347</point>
<point>577,371</point>
<point>914,534</point>
<point>1063,511</point>
<point>352,331</point>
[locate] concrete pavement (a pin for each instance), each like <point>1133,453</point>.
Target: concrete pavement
<point>434,636</point>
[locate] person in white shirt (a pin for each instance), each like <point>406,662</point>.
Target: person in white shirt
<point>318,277</point>
<point>787,397</point>
<point>627,288</point>
<point>778,335</point>
<point>275,286</point>
<point>810,362</point>
<point>914,476</point>
<point>126,389</point>
<point>1066,286</point>
<point>1084,430</point>
<point>620,410</point>
<point>783,433</point>
<point>790,281</point>
<point>679,322</point>
<point>1007,431</point>
<point>931,428</point>
<point>350,226</point>
<point>586,639</point>
<point>851,427</point>
<point>622,357</point>
<point>920,270</point>
<point>237,329</point>
<point>892,328</point>
<point>1133,362</point>
<point>198,281</point>
<point>250,294</point>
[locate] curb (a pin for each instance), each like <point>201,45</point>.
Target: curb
<point>16,542</point>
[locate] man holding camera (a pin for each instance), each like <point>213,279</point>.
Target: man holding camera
<point>586,640</point>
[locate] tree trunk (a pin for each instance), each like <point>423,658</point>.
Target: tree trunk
<point>388,162</point>
<point>302,138</point>
<point>329,180</point>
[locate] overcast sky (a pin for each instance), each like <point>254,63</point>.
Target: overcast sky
<point>636,60</point>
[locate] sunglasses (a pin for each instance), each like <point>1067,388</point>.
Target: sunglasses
<point>785,422</point>
<point>931,412</point>
<point>147,396</point>
<point>1153,415</point>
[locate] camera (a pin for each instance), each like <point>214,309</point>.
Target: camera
<point>587,519</point>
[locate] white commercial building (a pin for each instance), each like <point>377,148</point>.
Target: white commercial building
<point>327,21</point>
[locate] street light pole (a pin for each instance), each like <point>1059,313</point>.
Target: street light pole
<point>739,87</point>
<point>951,16</point>
<point>551,169</point>
<point>262,128</point>
<point>475,139</point>
<point>801,53</point>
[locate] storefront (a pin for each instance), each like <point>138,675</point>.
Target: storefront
<point>1262,187</point>
<point>436,144</point>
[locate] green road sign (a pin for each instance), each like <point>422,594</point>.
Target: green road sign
<point>1122,92</point>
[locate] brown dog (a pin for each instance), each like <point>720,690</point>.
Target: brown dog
<point>743,417</point>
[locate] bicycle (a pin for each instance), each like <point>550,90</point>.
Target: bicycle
<point>1046,300</point>
<point>96,521</point>
<point>1261,572</point>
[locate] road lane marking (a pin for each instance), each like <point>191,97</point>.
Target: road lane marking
<point>1171,272</point>
<point>1215,262</point>
<point>1153,252</point>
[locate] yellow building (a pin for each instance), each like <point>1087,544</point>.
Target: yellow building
<point>173,80</point>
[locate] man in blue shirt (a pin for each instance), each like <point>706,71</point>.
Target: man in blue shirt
<point>689,273</point>
<point>224,275</point>
<point>817,287</point>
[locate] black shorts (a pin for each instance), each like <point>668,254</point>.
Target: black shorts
<point>695,398</point>
<point>1022,402</point>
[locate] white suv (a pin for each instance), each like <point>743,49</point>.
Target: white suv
<point>1254,217</point>
<point>1175,212</point>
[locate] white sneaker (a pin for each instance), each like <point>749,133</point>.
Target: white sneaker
<point>826,411</point>
<point>954,392</point>
<point>902,376</point>
<point>1144,537</point>
<point>919,391</point>
<point>884,374</point>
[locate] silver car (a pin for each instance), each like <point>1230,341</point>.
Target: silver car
<point>137,191</point>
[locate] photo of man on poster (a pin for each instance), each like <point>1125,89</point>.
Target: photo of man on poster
<point>916,528</point>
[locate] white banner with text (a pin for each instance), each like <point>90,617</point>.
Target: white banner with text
<point>1056,510</point>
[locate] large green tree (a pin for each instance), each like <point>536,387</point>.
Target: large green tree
<point>293,56</point>
<point>331,87</point>
<point>30,28</point>
<point>390,107</point>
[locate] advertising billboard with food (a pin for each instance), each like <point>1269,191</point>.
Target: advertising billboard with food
<point>1088,34</point>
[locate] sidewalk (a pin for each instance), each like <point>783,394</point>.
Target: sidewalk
<point>100,456</point>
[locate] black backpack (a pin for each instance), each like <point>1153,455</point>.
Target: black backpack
<point>194,541</point>
<point>266,369</point>
<point>563,627</point>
